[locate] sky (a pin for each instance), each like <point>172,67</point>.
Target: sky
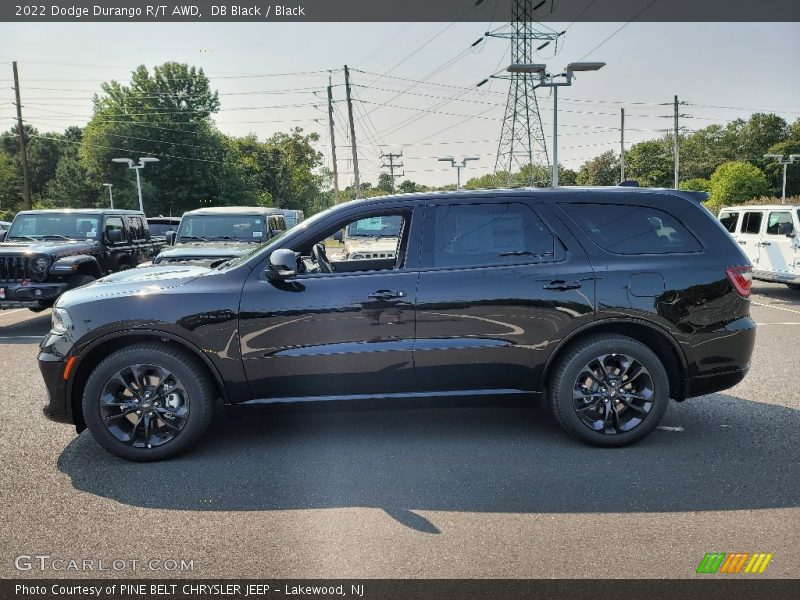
<point>272,77</point>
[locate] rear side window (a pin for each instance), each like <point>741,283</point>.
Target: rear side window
<point>751,222</point>
<point>729,220</point>
<point>625,229</point>
<point>468,235</point>
<point>776,219</point>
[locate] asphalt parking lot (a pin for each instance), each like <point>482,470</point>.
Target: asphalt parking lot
<point>461,491</point>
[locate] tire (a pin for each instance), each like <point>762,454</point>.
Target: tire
<point>794,286</point>
<point>166,424</point>
<point>589,396</point>
<point>76,281</point>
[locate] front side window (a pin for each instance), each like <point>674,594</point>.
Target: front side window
<point>626,229</point>
<point>779,223</point>
<point>251,228</point>
<point>55,225</point>
<point>469,235</point>
<point>729,220</point>
<point>751,222</point>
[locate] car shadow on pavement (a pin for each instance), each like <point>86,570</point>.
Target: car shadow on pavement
<point>732,454</point>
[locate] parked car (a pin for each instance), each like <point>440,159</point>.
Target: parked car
<point>768,236</point>
<point>370,238</point>
<point>207,235</point>
<point>159,226</point>
<point>46,252</point>
<point>573,296</point>
<point>292,217</point>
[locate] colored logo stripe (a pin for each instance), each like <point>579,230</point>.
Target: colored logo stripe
<point>733,563</point>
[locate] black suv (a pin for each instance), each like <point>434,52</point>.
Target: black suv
<point>605,302</point>
<point>209,235</point>
<point>46,252</point>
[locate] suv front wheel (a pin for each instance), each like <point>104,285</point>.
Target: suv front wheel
<point>148,402</point>
<point>609,390</point>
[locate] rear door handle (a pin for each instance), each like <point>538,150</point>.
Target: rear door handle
<point>560,285</point>
<point>743,243</point>
<point>387,294</point>
<point>766,243</point>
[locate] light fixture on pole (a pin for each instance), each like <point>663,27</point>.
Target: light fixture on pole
<point>136,168</point>
<point>110,194</point>
<point>548,80</point>
<point>458,166</point>
<point>785,162</point>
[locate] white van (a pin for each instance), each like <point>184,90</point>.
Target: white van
<point>768,235</point>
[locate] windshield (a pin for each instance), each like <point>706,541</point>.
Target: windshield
<point>160,229</point>
<point>57,225</point>
<point>376,227</point>
<point>248,228</point>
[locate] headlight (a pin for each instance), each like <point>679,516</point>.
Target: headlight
<point>39,264</point>
<point>61,322</point>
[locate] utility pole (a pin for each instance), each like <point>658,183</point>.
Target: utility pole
<point>622,144</point>
<point>23,150</point>
<point>111,194</point>
<point>392,166</point>
<point>333,144</point>
<point>677,148</point>
<point>357,182</point>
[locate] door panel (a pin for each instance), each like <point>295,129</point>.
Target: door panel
<point>777,250</point>
<point>493,327</point>
<point>749,236</point>
<point>329,335</point>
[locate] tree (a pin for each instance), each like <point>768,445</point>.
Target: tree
<point>736,182</point>
<point>10,186</point>
<point>408,187</point>
<point>602,170</point>
<point>70,186</point>
<point>650,163</point>
<point>385,182</point>
<point>165,114</point>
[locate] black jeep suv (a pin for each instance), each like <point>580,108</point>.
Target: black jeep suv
<point>605,302</point>
<point>46,252</point>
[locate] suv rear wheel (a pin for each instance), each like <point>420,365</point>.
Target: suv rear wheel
<point>148,402</point>
<point>609,390</point>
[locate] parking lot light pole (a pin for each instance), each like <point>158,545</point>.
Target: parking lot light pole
<point>785,162</point>
<point>458,166</point>
<point>136,168</point>
<point>548,80</point>
<point>110,193</point>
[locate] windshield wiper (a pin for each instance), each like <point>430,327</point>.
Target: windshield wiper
<point>22,237</point>
<point>227,237</point>
<point>192,237</point>
<point>56,236</point>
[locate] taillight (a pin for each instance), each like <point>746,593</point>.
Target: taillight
<point>741,278</point>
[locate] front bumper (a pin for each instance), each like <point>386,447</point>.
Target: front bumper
<point>52,365</point>
<point>15,293</point>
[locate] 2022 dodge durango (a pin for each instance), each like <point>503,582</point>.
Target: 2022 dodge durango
<point>603,302</point>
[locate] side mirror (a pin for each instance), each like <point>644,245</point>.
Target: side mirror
<point>3,235</point>
<point>282,265</point>
<point>114,236</point>
<point>338,236</point>
<point>171,236</point>
<point>786,229</point>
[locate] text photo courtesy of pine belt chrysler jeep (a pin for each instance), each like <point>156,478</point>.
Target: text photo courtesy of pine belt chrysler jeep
<point>46,252</point>
<point>603,303</point>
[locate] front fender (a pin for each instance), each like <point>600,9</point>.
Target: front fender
<point>70,264</point>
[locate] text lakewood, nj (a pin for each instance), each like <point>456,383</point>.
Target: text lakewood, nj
<point>163,11</point>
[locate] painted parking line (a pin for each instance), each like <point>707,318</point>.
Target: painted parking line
<point>11,312</point>
<point>21,337</point>
<point>763,324</point>
<point>791,310</point>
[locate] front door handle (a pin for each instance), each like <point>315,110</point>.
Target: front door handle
<point>743,243</point>
<point>560,285</point>
<point>387,295</point>
<point>766,243</point>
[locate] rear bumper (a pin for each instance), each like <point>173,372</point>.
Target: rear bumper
<point>726,356</point>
